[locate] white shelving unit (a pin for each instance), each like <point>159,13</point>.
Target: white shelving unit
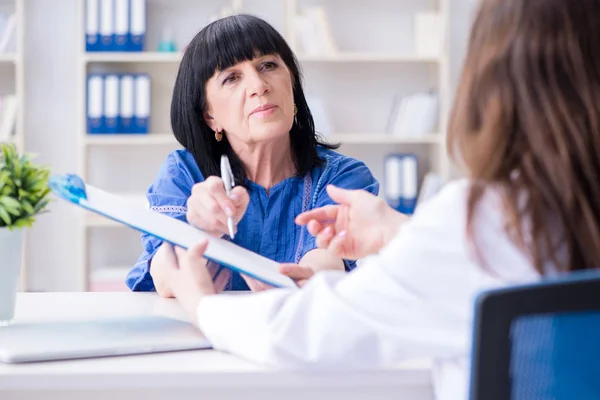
<point>12,82</point>
<point>12,68</point>
<point>358,84</point>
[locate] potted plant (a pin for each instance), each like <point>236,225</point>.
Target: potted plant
<point>23,195</point>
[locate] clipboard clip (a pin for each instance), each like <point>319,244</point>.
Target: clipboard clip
<point>70,187</point>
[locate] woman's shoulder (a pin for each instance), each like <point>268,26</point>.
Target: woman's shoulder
<point>343,171</point>
<point>181,163</point>
<point>331,156</point>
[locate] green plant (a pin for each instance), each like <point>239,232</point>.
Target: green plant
<point>23,189</point>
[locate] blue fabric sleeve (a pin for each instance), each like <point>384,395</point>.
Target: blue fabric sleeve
<point>346,173</point>
<point>167,195</point>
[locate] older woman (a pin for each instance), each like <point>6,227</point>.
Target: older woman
<point>239,93</point>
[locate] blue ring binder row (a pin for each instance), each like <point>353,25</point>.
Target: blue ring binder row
<point>115,25</point>
<point>401,176</point>
<point>118,103</point>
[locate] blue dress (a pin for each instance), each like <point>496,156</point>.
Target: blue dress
<point>267,227</point>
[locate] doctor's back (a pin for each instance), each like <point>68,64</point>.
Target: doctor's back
<point>525,126</point>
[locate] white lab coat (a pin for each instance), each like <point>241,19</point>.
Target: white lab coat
<point>413,300</point>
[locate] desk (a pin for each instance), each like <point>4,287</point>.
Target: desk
<point>201,374</point>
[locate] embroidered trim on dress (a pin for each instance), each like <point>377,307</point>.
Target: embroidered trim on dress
<point>305,202</point>
<point>169,209</point>
<point>319,183</point>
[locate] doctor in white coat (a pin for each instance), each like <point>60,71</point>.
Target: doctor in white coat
<point>526,127</point>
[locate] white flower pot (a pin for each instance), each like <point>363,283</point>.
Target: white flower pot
<point>11,257</point>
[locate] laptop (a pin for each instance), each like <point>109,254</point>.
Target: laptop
<point>49,341</point>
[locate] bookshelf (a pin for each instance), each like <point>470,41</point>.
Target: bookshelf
<point>375,62</point>
<point>12,68</point>
<point>12,87</point>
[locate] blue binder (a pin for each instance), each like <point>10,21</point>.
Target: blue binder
<point>126,103</point>
<point>73,189</point>
<point>141,118</point>
<point>401,177</point>
<point>137,26</point>
<point>122,22</point>
<point>111,104</point>
<point>95,103</point>
<point>107,25</point>
<point>92,23</point>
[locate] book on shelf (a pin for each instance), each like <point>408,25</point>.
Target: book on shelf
<point>314,32</point>
<point>429,34</point>
<point>231,8</point>
<point>8,23</point>
<point>323,124</point>
<point>8,117</point>
<point>415,115</point>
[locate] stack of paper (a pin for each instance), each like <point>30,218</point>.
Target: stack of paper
<point>415,115</point>
<point>8,117</point>
<point>8,24</point>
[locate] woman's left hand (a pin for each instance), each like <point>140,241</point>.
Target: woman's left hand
<point>297,272</point>
<point>187,276</point>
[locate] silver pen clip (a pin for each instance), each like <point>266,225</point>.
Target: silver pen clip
<point>229,182</point>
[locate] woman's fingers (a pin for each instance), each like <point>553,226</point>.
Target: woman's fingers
<point>322,214</point>
<point>205,213</point>
<point>240,198</point>
<point>215,188</point>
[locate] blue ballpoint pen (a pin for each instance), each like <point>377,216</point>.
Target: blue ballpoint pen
<point>229,182</point>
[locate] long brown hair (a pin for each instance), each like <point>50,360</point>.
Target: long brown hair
<point>527,119</point>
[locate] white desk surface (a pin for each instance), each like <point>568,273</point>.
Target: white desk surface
<point>199,374</point>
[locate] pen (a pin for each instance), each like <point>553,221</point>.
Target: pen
<point>229,182</point>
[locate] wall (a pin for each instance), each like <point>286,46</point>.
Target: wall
<point>51,96</point>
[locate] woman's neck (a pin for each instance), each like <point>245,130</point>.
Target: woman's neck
<point>267,164</point>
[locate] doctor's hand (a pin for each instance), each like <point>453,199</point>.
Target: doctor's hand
<point>360,225</point>
<point>161,264</point>
<point>187,276</point>
<point>209,206</point>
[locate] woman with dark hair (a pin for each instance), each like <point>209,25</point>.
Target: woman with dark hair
<point>526,128</point>
<point>239,93</point>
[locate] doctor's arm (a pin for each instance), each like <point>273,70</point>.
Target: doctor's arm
<point>401,304</point>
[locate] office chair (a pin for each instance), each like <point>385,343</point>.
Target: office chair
<point>539,341</point>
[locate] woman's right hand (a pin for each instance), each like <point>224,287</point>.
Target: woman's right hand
<point>358,226</point>
<point>209,206</point>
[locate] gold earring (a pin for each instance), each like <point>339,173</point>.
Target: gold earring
<point>295,110</point>
<point>218,136</point>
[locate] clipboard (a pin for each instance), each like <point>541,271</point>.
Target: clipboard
<point>73,189</point>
